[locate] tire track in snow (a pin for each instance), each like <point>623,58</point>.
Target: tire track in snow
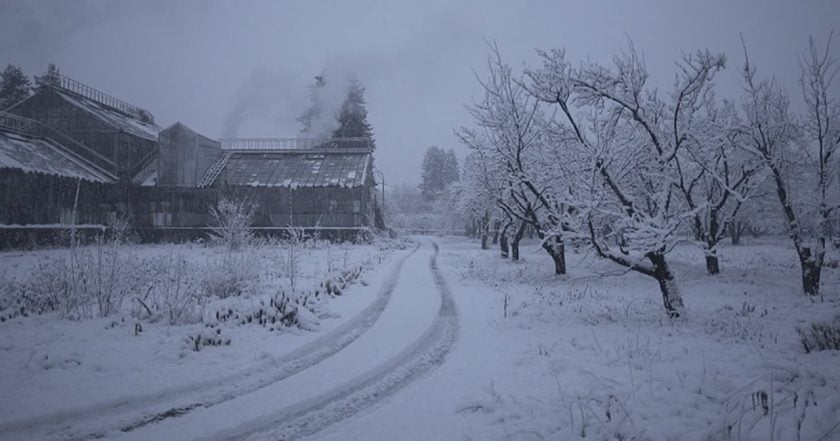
<point>131,413</point>
<point>313,415</point>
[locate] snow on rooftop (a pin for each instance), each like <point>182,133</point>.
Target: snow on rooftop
<point>295,169</point>
<point>113,117</point>
<point>38,155</point>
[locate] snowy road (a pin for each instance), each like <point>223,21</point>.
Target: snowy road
<point>392,343</point>
<point>413,335</point>
<point>132,413</point>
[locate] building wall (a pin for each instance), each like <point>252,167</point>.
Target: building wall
<point>184,156</point>
<point>35,198</point>
<point>309,206</point>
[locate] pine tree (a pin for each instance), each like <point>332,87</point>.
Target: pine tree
<point>440,169</point>
<point>452,173</point>
<point>352,119</point>
<point>14,86</point>
<point>52,77</point>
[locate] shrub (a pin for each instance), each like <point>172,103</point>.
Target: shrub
<point>230,276</point>
<point>80,283</point>
<point>284,310</point>
<point>232,220</point>
<point>745,324</point>
<point>178,292</point>
<point>821,336</point>
<point>210,336</point>
<point>39,295</point>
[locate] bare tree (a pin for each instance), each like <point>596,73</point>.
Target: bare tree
<point>800,157</point>
<point>512,135</point>
<point>758,215</point>
<point>715,178</point>
<point>630,140</point>
<point>475,196</point>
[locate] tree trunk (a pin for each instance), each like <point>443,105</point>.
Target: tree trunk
<point>557,250</point>
<point>485,230</point>
<point>712,263</point>
<point>811,271</point>
<point>514,245</point>
<point>496,225</point>
<point>503,242</point>
<point>671,298</point>
<point>735,230</point>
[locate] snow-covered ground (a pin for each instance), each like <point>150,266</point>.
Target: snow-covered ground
<point>53,368</point>
<point>519,354</point>
<point>593,356</point>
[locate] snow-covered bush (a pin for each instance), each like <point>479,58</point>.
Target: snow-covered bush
<point>32,297</point>
<point>102,275</point>
<point>78,283</point>
<point>335,285</point>
<point>210,336</point>
<point>821,336</point>
<point>231,275</point>
<point>232,219</point>
<point>178,291</point>
<point>285,310</point>
<point>747,324</point>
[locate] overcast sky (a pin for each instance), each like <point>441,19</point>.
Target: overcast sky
<point>237,67</point>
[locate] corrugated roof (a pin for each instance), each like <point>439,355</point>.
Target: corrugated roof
<point>113,117</point>
<point>39,155</point>
<point>296,169</point>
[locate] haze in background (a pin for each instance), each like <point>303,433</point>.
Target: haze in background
<point>241,68</point>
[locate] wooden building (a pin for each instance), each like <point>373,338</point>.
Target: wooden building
<point>321,186</point>
<point>118,136</point>
<point>310,183</point>
<point>69,137</point>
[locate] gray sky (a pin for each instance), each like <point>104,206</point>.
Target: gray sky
<point>225,67</point>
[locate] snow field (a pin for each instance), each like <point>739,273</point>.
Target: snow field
<point>593,355</point>
<point>54,366</point>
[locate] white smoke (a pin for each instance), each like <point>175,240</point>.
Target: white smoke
<point>268,96</point>
<point>280,97</point>
<point>329,99</point>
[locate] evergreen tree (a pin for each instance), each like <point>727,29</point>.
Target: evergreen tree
<point>325,118</point>
<point>14,86</point>
<point>440,169</point>
<point>451,172</point>
<point>52,77</point>
<point>352,119</point>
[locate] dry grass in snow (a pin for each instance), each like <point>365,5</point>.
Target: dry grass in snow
<point>109,320</point>
<point>593,355</point>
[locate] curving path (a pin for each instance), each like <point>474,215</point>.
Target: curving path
<point>130,414</point>
<point>414,335</point>
<point>314,415</point>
